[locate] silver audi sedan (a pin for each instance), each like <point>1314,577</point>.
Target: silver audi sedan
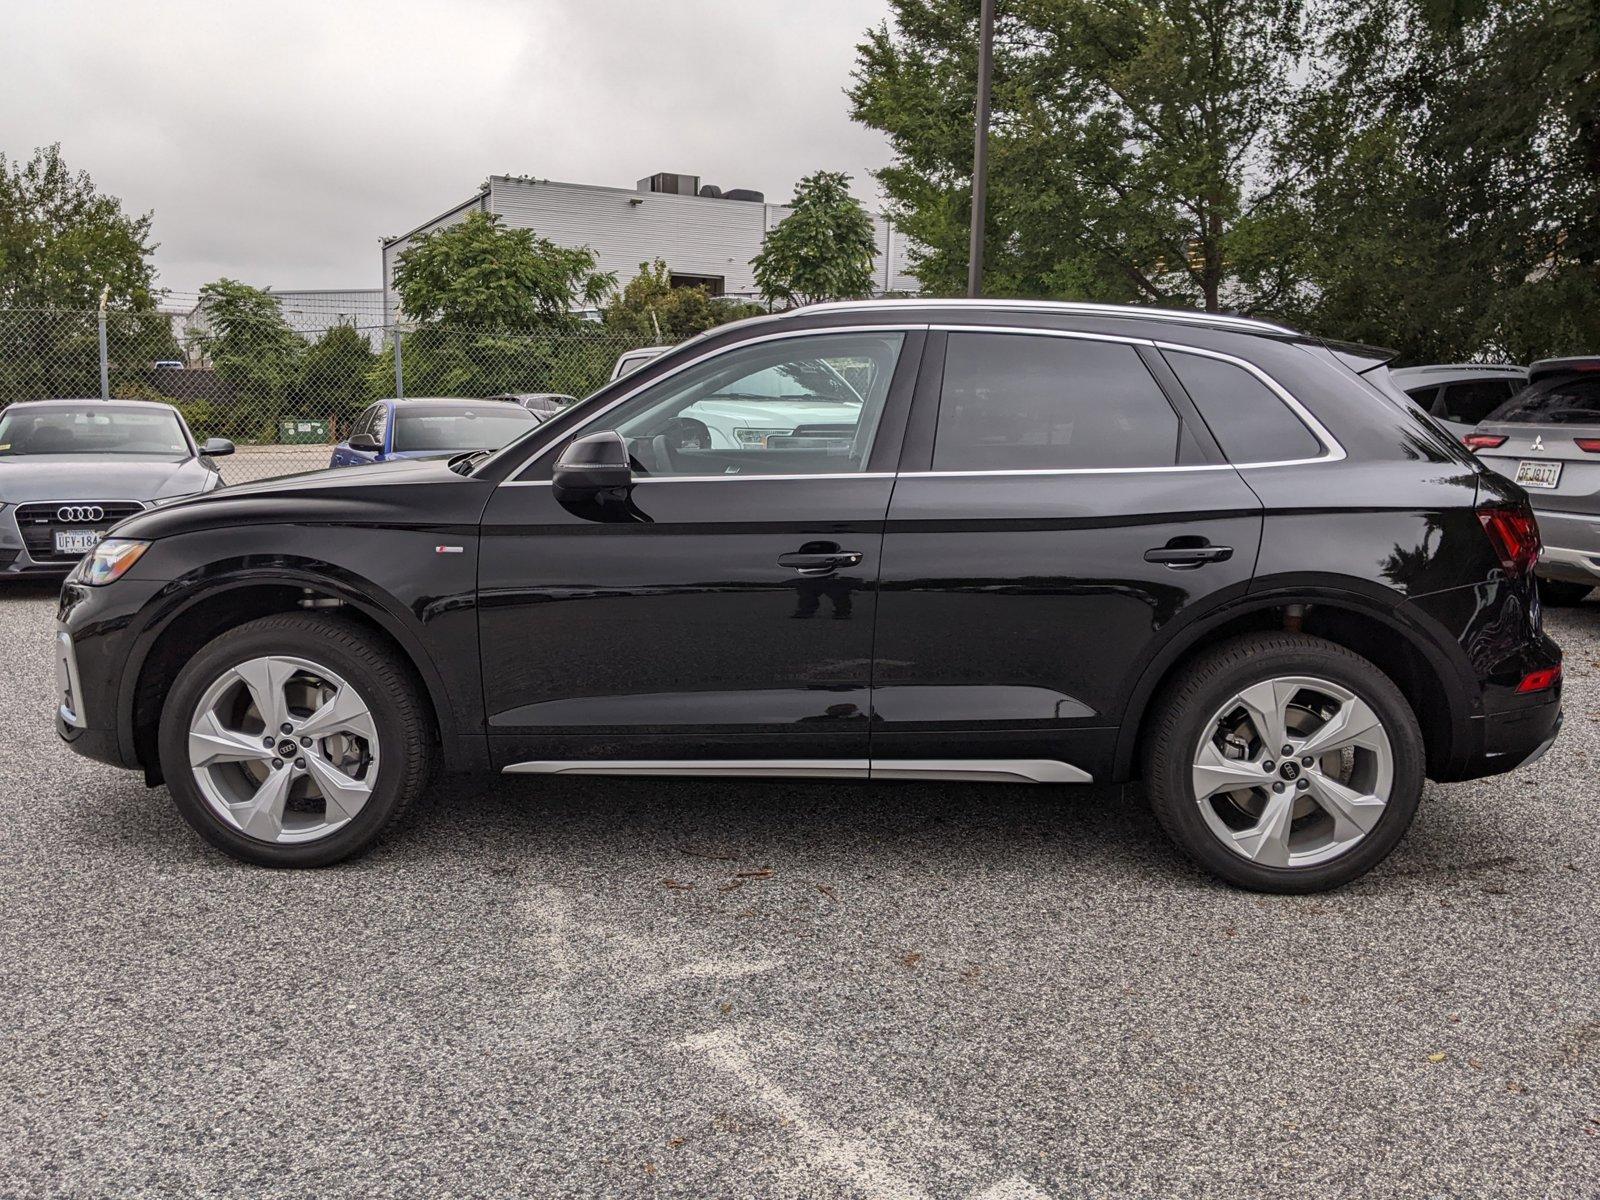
<point>1547,438</point>
<point>70,469</point>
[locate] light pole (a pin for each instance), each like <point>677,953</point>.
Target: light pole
<point>980,149</point>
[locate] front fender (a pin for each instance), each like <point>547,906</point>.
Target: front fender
<point>429,613</point>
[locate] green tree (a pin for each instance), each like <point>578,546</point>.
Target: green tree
<point>1135,152</point>
<point>650,307</point>
<point>824,248</point>
<point>1453,178</point>
<point>251,346</point>
<point>62,241</point>
<point>479,273</point>
<point>335,372</point>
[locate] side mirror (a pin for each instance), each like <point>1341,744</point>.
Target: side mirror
<point>595,463</point>
<point>364,441</point>
<point>217,447</point>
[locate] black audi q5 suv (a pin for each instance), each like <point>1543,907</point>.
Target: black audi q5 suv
<point>931,540</point>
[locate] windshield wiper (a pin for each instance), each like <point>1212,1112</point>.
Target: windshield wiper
<point>462,464</point>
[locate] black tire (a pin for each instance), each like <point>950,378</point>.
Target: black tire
<point>1558,593</point>
<point>373,669</point>
<point>1206,684</point>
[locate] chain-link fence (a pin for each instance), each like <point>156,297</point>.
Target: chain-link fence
<point>285,402</point>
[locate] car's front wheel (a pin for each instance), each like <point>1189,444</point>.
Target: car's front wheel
<point>294,740</point>
<point>1284,763</point>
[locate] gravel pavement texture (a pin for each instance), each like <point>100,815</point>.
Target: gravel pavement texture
<point>705,989</point>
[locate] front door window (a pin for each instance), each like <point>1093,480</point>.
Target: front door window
<point>789,406</point>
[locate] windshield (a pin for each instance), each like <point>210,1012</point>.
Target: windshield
<point>446,430</point>
<point>97,430</point>
<point>1569,400</point>
<point>799,381</point>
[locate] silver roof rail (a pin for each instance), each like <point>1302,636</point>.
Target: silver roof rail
<point>1130,311</point>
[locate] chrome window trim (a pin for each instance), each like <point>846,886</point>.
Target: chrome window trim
<point>1332,450</point>
<point>721,478</point>
<point>777,335</point>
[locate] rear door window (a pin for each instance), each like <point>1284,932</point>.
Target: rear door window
<point>1472,400</point>
<point>1250,421</point>
<point>1569,400</point>
<point>1030,402</point>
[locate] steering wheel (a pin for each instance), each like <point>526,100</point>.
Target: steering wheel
<point>686,433</point>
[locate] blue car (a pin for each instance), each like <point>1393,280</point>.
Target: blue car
<point>391,429</point>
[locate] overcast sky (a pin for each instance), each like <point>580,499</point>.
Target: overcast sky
<point>277,141</point>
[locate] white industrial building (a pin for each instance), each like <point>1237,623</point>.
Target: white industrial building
<point>705,236</point>
<point>310,312</point>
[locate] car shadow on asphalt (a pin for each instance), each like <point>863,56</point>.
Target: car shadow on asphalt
<point>1103,834</point>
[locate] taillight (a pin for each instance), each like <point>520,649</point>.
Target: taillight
<point>1540,681</point>
<point>1588,445</point>
<point>1483,441</point>
<point>1514,534</point>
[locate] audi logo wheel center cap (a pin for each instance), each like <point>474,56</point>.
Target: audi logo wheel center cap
<point>80,512</point>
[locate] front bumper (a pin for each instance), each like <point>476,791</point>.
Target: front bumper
<point>94,641</point>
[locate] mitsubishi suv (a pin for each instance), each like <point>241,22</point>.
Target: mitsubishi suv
<point>1055,544</point>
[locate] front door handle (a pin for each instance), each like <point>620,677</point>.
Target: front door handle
<point>818,558</point>
<point>1184,554</point>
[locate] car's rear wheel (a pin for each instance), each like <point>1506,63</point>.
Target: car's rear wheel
<point>1284,763</point>
<point>294,740</point>
<point>1558,593</point>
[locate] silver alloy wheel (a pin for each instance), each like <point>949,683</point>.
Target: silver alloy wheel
<point>283,749</point>
<point>1292,772</point>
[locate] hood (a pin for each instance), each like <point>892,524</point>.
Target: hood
<point>420,493</point>
<point>34,477</point>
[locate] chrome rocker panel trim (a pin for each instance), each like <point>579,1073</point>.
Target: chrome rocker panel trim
<point>973,770</point>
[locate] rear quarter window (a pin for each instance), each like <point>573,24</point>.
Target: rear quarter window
<point>1250,422</point>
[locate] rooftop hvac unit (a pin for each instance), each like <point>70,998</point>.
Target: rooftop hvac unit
<point>670,183</point>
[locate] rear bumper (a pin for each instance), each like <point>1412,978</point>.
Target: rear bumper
<point>1571,545</point>
<point>1573,566</point>
<point>1511,739</point>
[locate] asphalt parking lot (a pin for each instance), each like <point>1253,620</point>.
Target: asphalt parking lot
<point>636,987</point>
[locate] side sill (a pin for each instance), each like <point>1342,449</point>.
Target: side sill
<point>972,770</point>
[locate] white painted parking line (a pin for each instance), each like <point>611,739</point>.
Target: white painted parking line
<point>861,1160</point>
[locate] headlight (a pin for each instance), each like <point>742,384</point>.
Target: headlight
<point>756,437</point>
<point>109,561</point>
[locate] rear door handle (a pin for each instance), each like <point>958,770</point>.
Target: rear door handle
<point>819,563</point>
<point>1182,558</point>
